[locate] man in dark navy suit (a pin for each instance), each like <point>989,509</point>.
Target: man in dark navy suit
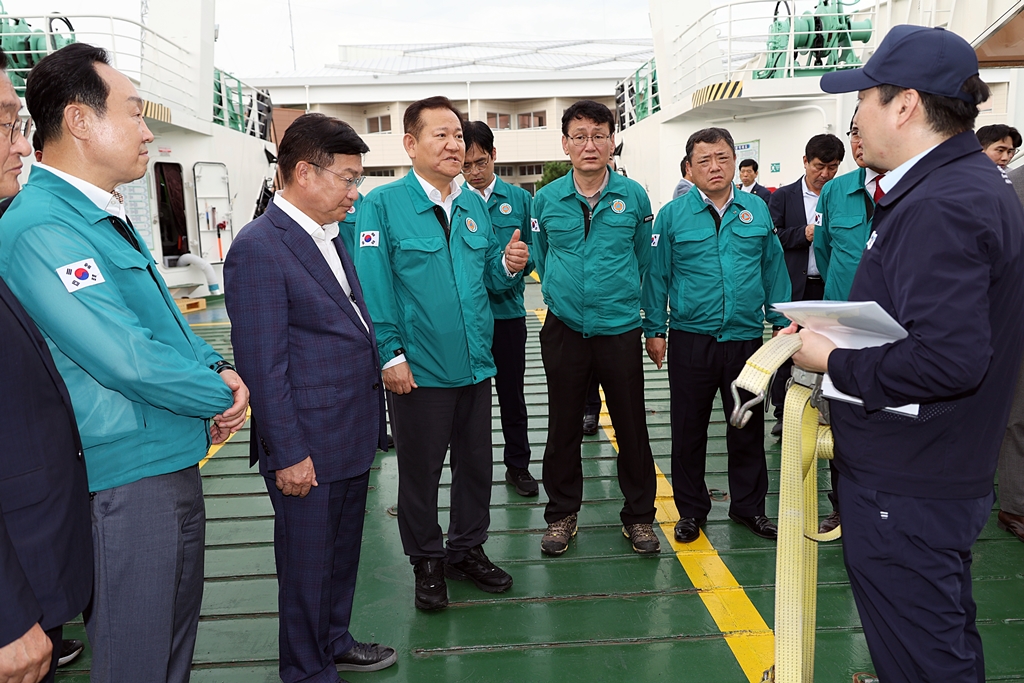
<point>303,338</point>
<point>45,539</point>
<point>748,180</point>
<point>916,491</point>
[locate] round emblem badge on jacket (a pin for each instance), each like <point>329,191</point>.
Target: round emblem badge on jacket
<point>471,224</point>
<point>746,217</point>
<point>505,208</point>
<point>618,206</point>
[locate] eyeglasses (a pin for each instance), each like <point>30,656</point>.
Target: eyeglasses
<point>477,165</point>
<point>580,140</point>
<point>349,182</point>
<point>853,133</point>
<point>19,127</point>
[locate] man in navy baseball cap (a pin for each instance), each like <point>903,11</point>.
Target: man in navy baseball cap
<point>946,260</point>
<point>931,60</point>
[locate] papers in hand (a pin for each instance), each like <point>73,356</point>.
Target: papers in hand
<point>849,325</point>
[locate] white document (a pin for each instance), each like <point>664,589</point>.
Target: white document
<point>849,325</point>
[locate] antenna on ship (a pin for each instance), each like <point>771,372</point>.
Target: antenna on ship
<point>291,28</point>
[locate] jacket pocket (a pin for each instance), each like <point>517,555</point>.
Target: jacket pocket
<point>314,397</point>
<point>23,490</point>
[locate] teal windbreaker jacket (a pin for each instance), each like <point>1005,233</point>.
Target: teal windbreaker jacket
<point>427,295</point>
<point>842,232</point>
<point>509,209</point>
<point>139,378</point>
<point>718,282</point>
<point>591,282</point>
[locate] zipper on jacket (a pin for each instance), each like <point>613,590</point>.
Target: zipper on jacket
<point>588,214</point>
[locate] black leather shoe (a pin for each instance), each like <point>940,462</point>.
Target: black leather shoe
<point>759,524</point>
<point>590,425</point>
<point>69,651</point>
<point>1012,523</point>
<point>366,657</point>
<point>524,482</point>
<point>391,441</point>
<point>475,566</point>
<point>829,523</point>
<point>688,529</point>
<point>777,429</point>
<point>431,590</point>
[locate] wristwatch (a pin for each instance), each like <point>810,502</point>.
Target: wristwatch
<point>222,365</point>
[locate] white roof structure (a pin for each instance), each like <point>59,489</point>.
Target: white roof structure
<point>454,61</point>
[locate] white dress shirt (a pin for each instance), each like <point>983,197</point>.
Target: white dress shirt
<point>871,180</point>
<point>323,236</point>
<point>434,194</point>
<point>106,201</point>
<point>810,208</point>
<point>725,207</point>
<point>486,193</point>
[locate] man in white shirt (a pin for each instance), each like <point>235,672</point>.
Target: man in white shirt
<point>302,335</point>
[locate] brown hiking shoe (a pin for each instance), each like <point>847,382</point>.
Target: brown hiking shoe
<point>829,523</point>
<point>556,538</point>
<point>643,538</point>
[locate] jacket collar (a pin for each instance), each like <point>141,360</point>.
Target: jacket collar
<point>696,201</point>
<point>67,193</point>
<point>854,181</point>
<point>616,184</point>
<point>956,147</point>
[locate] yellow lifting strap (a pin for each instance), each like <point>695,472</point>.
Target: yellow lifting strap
<point>804,440</point>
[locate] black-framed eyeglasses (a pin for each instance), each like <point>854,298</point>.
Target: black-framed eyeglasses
<point>19,127</point>
<point>580,140</point>
<point>349,182</point>
<point>853,133</point>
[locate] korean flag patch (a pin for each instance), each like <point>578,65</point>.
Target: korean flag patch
<point>534,225</point>
<point>370,238</point>
<point>80,275</point>
<point>817,219</point>
<point>655,238</point>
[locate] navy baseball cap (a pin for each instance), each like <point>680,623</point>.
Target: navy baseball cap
<point>931,60</point>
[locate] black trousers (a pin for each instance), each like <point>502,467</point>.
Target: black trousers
<point>509,351</point>
<point>593,406</point>
<point>699,366</point>
<point>427,421</point>
<point>909,562</point>
<point>570,360</point>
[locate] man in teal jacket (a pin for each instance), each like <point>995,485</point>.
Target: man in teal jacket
<point>143,385</point>
<point>592,238</point>
<point>843,220</point>
<point>719,266</point>
<point>509,209</point>
<point>426,257</point>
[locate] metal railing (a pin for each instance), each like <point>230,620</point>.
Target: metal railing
<point>637,96</point>
<point>157,66</point>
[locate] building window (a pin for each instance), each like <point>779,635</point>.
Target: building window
<point>504,171</point>
<point>498,121</point>
<point>532,169</point>
<point>379,124</point>
<point>379,172</point>
<point>536,119</point>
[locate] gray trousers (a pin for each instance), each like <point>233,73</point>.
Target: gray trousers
<point>148,539</point>
<point>1011,456</point>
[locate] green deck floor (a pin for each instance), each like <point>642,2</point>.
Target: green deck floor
<point>598,613</point>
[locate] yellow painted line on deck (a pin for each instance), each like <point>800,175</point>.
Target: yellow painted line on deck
<point>534,275</point>
<point>751,640</point>
<point>217,446</point>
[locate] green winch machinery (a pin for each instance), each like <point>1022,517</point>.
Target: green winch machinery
<point>26,46</point>
<point>825,37</point>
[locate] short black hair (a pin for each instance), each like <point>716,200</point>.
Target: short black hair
<point>947,116</point>
<point>590,110</point>
<point>997,132</point>
<point>315,139</point>
<point>682,165</point>
<point>826,148</point>
<point>749,162</point>
<point>709,136</point>
<point>412,121</point>
<point>67,76</point>
<point>37,141</point>
<point>478,133</point>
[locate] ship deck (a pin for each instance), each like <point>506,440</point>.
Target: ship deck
<point>698,612</point>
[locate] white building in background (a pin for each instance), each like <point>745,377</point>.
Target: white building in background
<point>520,89</point>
